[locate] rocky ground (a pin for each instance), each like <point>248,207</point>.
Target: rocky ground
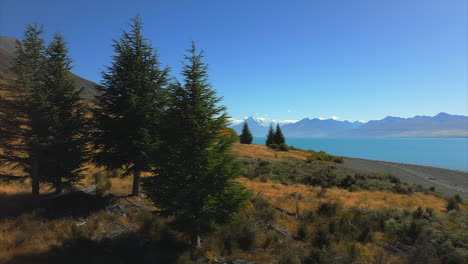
<point>450,182</point>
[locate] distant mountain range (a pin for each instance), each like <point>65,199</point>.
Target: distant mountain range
<point>8,54</point>
<point>441,125</point>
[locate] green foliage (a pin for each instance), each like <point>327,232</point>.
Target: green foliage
<point>133,98</point>
<point>322,156</point>
<point>288,257</point>
<point>246,137</point>
<point>452,204</point>
<point>63,158</point>
<point>42,115</point>
<point>329,209</point>
<point>270,136</point>
<point>275,139</point>
<point>321,238</point>
<point>353,252</point>
<point>303,232</point>
<point>195,183</point>
<point>278,137</point>
<point>263,210</point>
<point>23,108</point>
<point>231,134</point>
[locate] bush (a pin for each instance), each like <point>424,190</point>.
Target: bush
<point>328,209</point>
<point>353,252</point>
<point>303,232</point>
<point>263,210</point>
<point>288,258</point>
<point>273,146</point>
<point>309,216</point>
<point>283,147</point>
<point>103,182</point>
<point>155,228</point>
<point>271,238</point>
<point>241,236</point>
<point>230,134</point>
<point>321,239</point>
<point>365,235</point>
<point>246,236</point>
<point>452,204</point>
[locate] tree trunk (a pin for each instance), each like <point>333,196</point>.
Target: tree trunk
<point>196,241</point>
<point>35,183</point>
<point>136,182</point>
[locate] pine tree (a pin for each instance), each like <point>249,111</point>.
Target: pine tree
<point>22,108</point>
<point>133,98</point>
<point>195,183</point>
<point>270,137</point>
<point>65,121</point>
<point>246,137</point>
<point>278,137</point>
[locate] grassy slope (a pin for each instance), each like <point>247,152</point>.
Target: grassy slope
<point>25,238</point>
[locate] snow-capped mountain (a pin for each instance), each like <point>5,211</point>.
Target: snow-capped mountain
<point>441,125</point>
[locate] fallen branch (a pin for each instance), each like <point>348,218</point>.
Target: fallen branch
<point>296,215</point>
<point>234,261</point>
<point>281,230</point>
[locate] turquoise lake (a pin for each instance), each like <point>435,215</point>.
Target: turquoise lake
<point>450,153</point>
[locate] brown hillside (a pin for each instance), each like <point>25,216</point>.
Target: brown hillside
<point>263,152</point>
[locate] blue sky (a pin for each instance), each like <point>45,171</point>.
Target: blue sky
<point>354,59</point>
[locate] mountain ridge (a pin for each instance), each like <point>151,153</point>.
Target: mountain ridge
<point>8,55</point>
<point>440,125</point>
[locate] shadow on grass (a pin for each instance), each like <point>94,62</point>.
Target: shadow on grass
<point>69,204</point>
<point>132,247</point>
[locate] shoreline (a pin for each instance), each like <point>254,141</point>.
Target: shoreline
<point>448,181</point>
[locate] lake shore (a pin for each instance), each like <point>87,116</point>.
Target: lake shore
<point>448,181</point>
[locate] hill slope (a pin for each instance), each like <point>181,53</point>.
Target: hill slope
<point>8,54</point>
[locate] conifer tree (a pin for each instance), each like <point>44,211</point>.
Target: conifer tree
<point>132,100</point>
<point>246,137</point>
<point>270,136</point>
<point>22,108</point>
<point>278,137</point>
<point>195,173</point>
<point>65,121</point>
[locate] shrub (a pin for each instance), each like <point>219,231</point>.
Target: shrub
<point>338,160</point>
<point>353,252</point>
<point>309,216</point>
<point>263,210</point>
<point>321,238</point>
<point>246,236</point>
<point>418,213</point>
<point>283,147</point>
<point>458,198</point>
<point>328,209</point>
<point>271,238</point>
<point>103,182</point>
<point>452,204</point>
<point>230,134</point>
<point>273,146</point>
<point>365,235</point>
<point>155,228</point>
<point>288,258</point>
<point>303,232</point>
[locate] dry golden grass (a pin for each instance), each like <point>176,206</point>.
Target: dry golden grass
<point>27,234</point>
<point>281,195</point>
<point>263,152</point>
